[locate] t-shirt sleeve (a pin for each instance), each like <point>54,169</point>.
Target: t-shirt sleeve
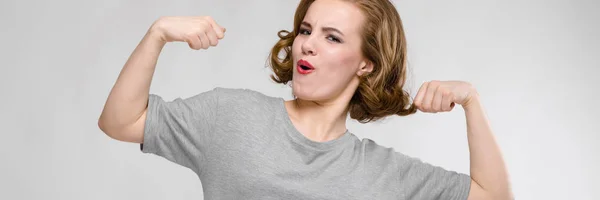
<point>426,181</point>
<point>180,130</point>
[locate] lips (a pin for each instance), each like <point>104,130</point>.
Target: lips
<point>304,67</point>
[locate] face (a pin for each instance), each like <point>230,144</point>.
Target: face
<point>329,42</point>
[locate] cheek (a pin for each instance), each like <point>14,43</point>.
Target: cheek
<point>343,60</point>
<point>342,67</point>
<point>296,47</point>
<point>351,61</point>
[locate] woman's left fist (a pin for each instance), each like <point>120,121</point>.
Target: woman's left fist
<point>441,96</point>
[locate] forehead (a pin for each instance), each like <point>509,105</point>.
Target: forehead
<point>342,15</point>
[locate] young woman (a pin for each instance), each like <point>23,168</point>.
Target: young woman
<point>343,58</point>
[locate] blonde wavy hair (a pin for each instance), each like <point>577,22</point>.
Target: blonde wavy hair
<point>380,93</point>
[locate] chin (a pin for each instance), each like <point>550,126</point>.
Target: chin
<point>309,93</point>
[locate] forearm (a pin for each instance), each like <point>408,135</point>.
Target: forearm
<point>487,165</point>
<point>128,97</point>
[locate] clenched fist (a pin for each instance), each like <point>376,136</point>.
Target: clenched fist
<point>200,32</point>
<point>441,96</point>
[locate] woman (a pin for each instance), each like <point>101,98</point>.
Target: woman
<point>342,58</point>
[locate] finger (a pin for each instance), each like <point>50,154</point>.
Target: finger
<point>193,41</point>
<point>436,104</point>
<point>419,98</point>
<point>212,37</point>
<point>447,103</point>
<point>428,98</point>
<point>219,31</point>
<point>204,40</point>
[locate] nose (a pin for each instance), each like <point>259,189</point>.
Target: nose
<point>308,46</point>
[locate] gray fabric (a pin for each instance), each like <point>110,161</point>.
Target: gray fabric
<point>242,145</point>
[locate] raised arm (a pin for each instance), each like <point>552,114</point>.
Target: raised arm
<point>489,177</point>
<point>124,113</point>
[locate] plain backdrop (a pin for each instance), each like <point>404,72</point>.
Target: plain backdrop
<point>535,64</point>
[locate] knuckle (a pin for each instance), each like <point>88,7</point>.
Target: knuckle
<point>209,19</point>
<point>202,25</point>
<point>189,36</point>
<point>445,92</point>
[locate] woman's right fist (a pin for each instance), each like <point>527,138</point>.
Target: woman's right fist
<point>200,32</point>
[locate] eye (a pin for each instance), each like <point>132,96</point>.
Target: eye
<point>304,31</point>
<point>333,39</point>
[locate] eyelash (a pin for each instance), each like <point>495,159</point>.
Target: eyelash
<point>329,37</point>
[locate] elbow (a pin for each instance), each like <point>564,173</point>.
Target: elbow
<point>121,131</point>
<point>104,127</point>
<point>107,128</point>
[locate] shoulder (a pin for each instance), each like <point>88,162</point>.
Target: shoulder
<point>244,100</point>
<point>226,93</point>
<point>377,154</point>
<point>389,155</point>
<point>373,147</point>
<point>218,98</point>
<point>242,96</point>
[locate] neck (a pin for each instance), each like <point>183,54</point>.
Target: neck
<point>325,120</point>
<point>318,121</point>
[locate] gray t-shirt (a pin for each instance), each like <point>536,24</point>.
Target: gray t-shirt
<point>242,145</point>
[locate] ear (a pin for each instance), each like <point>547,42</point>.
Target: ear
<point>366,67</point>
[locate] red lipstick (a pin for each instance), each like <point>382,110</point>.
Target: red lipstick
<point>304,67</point>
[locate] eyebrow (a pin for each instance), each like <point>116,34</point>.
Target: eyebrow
<point>326,29</point>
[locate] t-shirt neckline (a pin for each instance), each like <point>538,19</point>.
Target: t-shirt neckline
<point>300,138</point>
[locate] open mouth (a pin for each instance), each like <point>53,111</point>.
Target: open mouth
<point>304,67</point>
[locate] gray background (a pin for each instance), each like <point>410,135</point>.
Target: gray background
<point>534,62</point>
